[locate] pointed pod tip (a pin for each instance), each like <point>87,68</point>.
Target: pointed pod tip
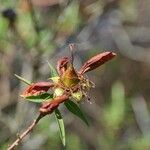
<point>108,53</point>
<point>105,56</point>
<point>114,54</point>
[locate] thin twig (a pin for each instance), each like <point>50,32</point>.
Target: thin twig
<point>26,132</point>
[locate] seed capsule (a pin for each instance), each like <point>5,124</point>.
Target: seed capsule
<point>70,77</point>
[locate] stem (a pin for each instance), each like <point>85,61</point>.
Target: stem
<point>26,132</point>
<point>47,108</point>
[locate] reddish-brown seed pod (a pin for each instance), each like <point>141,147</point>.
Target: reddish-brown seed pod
<point>62,65</point>
<point>37,88</point>
<point>50,106</point>
<point>96,61</point>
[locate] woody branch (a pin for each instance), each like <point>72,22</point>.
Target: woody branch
<point>46,108</point>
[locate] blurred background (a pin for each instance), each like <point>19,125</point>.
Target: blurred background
<point>33,32</point>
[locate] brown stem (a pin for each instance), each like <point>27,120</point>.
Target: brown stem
<point>26,132</point>
<point>45,109</point>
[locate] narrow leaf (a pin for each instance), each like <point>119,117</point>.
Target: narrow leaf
<point>61,126</point>
<point>74,108</point>
<point>53,70</point>
<point>39,98</point>
<point>23,80</point>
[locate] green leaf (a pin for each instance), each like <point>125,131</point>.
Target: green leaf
<point>39,98</point>
<point>53,70</point>
<point>74,108</point>
<point>23,80</point>
<point>61,126</point>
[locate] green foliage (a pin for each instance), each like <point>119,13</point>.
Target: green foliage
<point>48,127</point>
<point>40,98</point>
<point>74,108</point>
<point>58,115</point>
<point>23,79</point>
<point>61,126</point>
<point>71,106</point>
<point>52,71</point>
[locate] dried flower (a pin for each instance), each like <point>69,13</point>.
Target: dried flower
<point>70,82</point>
<point>37,88</point>
<point>67,84</point>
